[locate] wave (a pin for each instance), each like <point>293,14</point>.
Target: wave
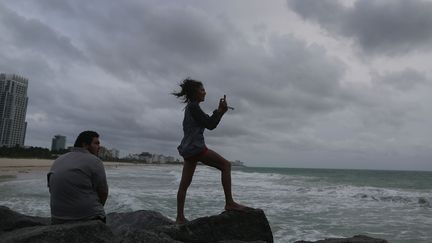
<point>424,202</point>
<point>313,188</point>
<point>421,201</point>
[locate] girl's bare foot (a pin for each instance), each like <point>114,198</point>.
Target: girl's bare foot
<point>235,207</point>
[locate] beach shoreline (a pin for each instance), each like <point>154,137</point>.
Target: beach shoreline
<point>14,166</point>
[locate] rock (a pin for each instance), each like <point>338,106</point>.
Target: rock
<point>239,241</point>
<point>149,227</point>
<point>90,231</point>
<point>140,226</point>
<point>354,239</point>
<point>144,236</point>
<point>229,227</point>
<point>136,226</point>
<point>11,220</point>
<point>251,225</point>
<point>121,223</point>
<point>424,202</point>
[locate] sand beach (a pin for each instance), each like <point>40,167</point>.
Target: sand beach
<point>13,166</point>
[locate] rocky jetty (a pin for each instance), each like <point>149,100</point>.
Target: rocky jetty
<point>149,227</point>
<point>140,226</point>
<point>355,239</point>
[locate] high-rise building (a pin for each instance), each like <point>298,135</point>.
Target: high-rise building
<point>58,143</point>
<point>13,109</point>
<point>109,154</point>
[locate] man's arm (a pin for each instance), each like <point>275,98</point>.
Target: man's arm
<point>99,181</point>
<point>48,180</point>
<point>102,194</point>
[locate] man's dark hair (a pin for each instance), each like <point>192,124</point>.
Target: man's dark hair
<point>85,138</point>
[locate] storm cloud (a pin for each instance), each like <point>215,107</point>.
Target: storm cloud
<point>324,83</point>
<point>390,27</point>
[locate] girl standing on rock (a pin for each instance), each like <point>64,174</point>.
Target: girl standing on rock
<point>193,148</point>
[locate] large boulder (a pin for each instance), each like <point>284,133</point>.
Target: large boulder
<point>140,226</point>
<point>144,236</point>
<point>137,227</point>
<point>90,231</point>
<point>148,226</point>
<point>11,220</point>
<point>354,239</point>
<point>122,223</point>
<point>251,225</point>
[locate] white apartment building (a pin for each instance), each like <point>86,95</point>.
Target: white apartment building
<point>13,109</point>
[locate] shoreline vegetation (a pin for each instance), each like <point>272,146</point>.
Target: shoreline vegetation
<point>30,152</point>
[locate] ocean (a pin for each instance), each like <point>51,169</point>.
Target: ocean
<point>300,204</point>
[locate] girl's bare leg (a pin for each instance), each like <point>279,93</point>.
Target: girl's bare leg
<point>213,159</point>
<point>187,174</point>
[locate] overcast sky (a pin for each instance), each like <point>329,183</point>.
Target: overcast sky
<point>314,83</point>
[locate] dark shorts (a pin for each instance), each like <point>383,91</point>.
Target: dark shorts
<point>196,157</point>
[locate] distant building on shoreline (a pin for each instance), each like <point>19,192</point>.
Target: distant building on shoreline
<point>58,143</point>
<point>13,109</point>
<point>148,158</point>
<point>237,163</point>
<point>108,154</point>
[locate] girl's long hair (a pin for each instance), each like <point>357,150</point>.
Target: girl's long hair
<point>188,90</point>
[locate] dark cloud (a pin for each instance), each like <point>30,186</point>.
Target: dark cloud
<point>407,79</point>
<point>147,39</point>
<point>113,65</point>
<point>379,27</point>
<point>278,82</point>
<point>33,36</point>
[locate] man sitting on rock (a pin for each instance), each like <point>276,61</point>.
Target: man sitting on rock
<point>77,183</point>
